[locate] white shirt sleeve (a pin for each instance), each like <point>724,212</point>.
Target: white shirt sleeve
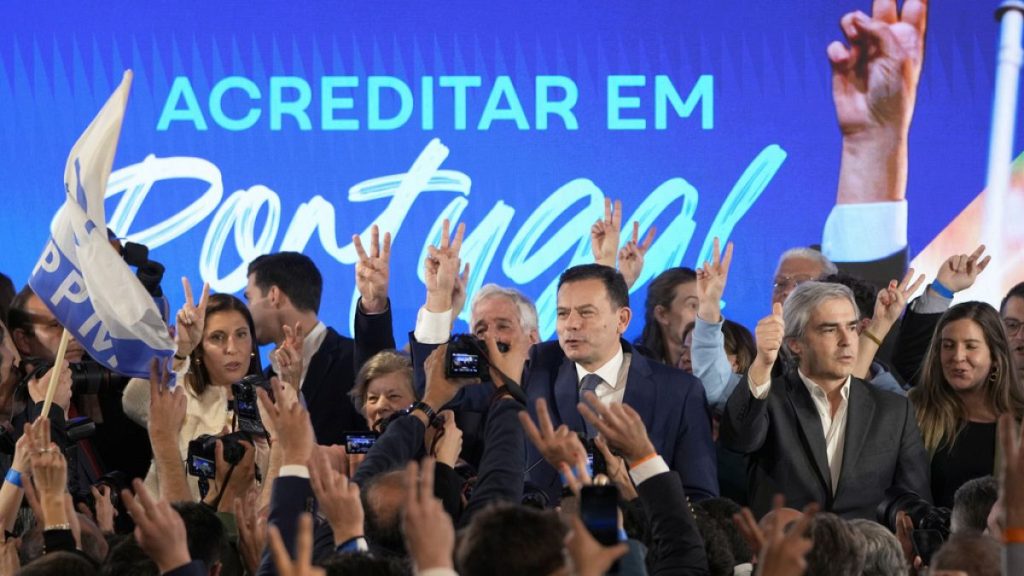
<point>865,232</point>
<point>437,572</point>
<point>432,327</point>
<point>297,470</point>
<point>760,391</point>
<point>648,470</point>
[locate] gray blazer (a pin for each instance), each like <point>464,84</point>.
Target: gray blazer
<point>883,451</point>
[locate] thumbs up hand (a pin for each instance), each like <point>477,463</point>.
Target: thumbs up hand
<point>769,335</point>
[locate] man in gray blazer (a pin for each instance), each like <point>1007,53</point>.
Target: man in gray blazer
<point>818,434</point>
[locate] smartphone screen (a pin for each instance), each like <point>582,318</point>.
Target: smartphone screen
<point>599,507</point>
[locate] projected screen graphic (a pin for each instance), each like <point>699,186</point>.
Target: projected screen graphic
<point>258,127</point>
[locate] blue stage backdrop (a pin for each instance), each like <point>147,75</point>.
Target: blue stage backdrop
<point>254,127</point>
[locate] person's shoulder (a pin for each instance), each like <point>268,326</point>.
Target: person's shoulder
<point>335,341</point>
<point>670,380</point>
<point>881,397</point>
<point>547,353</point>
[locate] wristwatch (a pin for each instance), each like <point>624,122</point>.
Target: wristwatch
<point>425,408</point>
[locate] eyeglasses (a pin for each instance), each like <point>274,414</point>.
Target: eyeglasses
<point>785,282</point>
<point>1012,326</point>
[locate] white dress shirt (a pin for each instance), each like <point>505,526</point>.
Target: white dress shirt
<point>613,375</point>
<point>833,427</point>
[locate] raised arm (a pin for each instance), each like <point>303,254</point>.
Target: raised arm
<point>373,326</point>
<point>744,426</point>
<point>874,89</point>
<point>889,306</point>
<point>675,542</point>
<point>434,319</point>
<point>166,417</point>
<point>710,362</point>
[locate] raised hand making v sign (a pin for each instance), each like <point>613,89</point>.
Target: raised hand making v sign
<point>441,268</point>
<point>191,319</point>
<point>373,272</point>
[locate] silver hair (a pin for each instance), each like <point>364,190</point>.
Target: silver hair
<point>797,310</point>
<point>883,554</point>
<point>827,267</point>
<point>527,311</point>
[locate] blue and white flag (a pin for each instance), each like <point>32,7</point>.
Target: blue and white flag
<point>81,277</point>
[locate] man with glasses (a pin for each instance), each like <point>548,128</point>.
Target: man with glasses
<point>36,331</point>
<point>1012,312</point>
<point>796,266</point>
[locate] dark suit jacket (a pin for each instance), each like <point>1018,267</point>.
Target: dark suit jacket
<point>332,373</point>
<point>916,332</point>
<point>783,437</point>
<point>878,272</point>
<point>291,496</point>
<point>670,402</point>
<point>676,546</point>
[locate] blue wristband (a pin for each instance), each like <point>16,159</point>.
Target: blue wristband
<point>942,290</point>
<point>14,477</point>
<point>353,546</point>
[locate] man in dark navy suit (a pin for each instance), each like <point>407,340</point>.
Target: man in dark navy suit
<point>284,296</point>
<point>590,355</point>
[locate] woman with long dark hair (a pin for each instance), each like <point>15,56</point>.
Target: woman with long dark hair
<point>216,348</point>
<point>968,381</point>
<point>671,305</point>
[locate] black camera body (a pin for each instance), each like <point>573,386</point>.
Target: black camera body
<point>149,272</point>
<point>467,357</point>
<point>87,376</point>
<point>202,452</point>
<point>247,403</point>
<point>931,523</point>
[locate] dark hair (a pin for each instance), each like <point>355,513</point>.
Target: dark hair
<point>839,549</point>
<point>972,502</point>
<point>720,511</point>
<point>940,413</point>
<point>1015,292</point>
<point>739,341</point>
<point>17,315</point>
<point>721,560</point>
<point>975,554</point>
<point>364,565</point>
<point>614,283</point>
<point>60,564</point>
<point>660,292</point>
<point>126,558</point>
<point>204,531</point>
<point>864,294</point>
<point>382,498</point>
<point>508,539</point>
<point>199,378</point>
<point>6,295</point>
<point>294,274</point>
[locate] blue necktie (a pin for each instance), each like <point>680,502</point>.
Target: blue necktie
<point>589,383</point>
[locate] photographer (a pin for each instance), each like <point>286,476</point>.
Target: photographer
<point>503,313</point>
<point>215,350</point>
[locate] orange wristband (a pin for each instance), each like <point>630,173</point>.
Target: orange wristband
<point>647,458</point>
<point>1013,536</point>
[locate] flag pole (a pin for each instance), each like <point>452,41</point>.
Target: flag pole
<point>58,365</point>
<point>1010,15</point>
